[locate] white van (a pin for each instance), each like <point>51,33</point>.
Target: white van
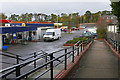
<point>52,34</point>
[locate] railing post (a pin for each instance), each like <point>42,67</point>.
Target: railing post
<point>51,65</point>
<point>106,39</point>
<point>34,60</point>
<point>65,59</point>
<point>116,45</point>
<point>46,60</point>
<point>17,59</point>
<point>18,67</point>
<point>73,55</point>
<point>113,44</point>
<point>89,40</point>
<point>78,50</point>
<point>119,48</point>
<point>81,46</point>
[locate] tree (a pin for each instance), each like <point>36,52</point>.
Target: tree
<point>53,17</point>
<point>30,16</point>
<point>75,19</point>
<point>14,17</point>
<point>116,10</point>
<point>36,16</point>
<point>88,16</point>
<point>101,28</point>
<point>106,12</point>
<point>3,16</point>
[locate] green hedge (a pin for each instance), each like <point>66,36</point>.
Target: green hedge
<point>75,40</point>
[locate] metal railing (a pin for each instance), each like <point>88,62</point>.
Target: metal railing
<point>49,64</point>
<point>20,58</point>
<point>115,44</point>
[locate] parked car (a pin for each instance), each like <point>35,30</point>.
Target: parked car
<point>76,28</point>
<point>64,30</point>
<point>82,27</point>
<point>88,34</point>
<point>72,29</point>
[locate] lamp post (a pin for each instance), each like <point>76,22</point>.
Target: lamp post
<point>57,21</point>
<point>57,18</point>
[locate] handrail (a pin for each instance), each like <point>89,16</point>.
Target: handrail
<point>11,56</point>
<point>26,62</point>
<point>31,71</point>
<point>42,65</point>
<point>115,44</point>
<point>52,59</point>
<point>11,53</point>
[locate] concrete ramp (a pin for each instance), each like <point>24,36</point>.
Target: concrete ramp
<point>97,62</point>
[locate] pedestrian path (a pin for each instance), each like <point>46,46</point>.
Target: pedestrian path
<point>97,62</point>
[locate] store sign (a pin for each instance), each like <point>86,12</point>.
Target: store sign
<point>7,25</point>
<point>23,24</point>
<point>14,35</point>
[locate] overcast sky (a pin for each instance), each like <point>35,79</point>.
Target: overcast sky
<point>52,6</point>
<point>54,0</point>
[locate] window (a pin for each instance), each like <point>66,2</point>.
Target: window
<point>49,33</point>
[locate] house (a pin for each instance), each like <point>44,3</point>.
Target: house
<point>112,23</point>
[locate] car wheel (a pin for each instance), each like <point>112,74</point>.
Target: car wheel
<point>44,40</point>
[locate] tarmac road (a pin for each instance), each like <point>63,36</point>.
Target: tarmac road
<point>24,50</point>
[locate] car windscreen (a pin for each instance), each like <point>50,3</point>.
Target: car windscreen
<point>49,33</point>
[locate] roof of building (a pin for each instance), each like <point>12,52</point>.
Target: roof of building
<point>111,19</point>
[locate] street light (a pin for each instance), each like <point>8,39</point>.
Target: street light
<point>57,16</point>
<point>57,20</point>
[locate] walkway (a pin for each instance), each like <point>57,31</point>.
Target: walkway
<point>98,62</point>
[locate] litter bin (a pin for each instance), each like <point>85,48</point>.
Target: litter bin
<point>4,47</point>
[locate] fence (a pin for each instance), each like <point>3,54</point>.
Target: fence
<point>114,40</point>
<point>49,64</point>
<point>113,36</point>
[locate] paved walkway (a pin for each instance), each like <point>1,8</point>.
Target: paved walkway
<point>98,62</point>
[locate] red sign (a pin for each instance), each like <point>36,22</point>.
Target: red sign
<point>5,21</point>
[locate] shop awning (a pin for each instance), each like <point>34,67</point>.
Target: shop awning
<point>16,29</point>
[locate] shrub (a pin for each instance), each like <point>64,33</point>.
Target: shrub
<point>101,33</point>
<point>75,40</point>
